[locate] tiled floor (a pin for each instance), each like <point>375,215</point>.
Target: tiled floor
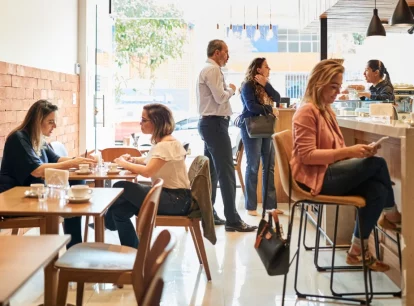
<point>238,277</point>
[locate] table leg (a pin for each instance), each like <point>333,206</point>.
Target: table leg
<point>51,273</point>
<point>99,229</point>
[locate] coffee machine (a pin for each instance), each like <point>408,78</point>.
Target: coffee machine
<point>403,101</point>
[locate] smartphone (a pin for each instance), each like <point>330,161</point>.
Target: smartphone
<point>378,142</point>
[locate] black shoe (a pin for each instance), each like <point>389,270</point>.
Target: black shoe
<point>240,227</point>
<point>218,221</point>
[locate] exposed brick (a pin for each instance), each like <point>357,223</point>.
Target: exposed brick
<point>48,84</point>
<point>43,94</point>
<point>63,77</point>
<point>55,76</point>
<point>2,93</point>
<point>50,94</point>
<point>3,68</point>
<point>30,83</point>
<point>17,81</point>
<point>27,104</point>
<point>11,69</point>
<point>11,116</point>
<point>2,116</point>
<point>20,116</point>
<point>44,74</point>
<point>40,84</point>
<point>29,93</point>
<point>15,93</point>
<point>72,78</point>
<point>36,94</point>
<point>36,73</point>
<point>57,85</point>
<point>5,80</point>
<point>21,70</point>
<point>17,104</point>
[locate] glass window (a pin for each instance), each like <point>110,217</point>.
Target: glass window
<point>282,31</point>
<point>306,37</point>
<point>292,31</point>
<point>282,47</point>
<point>282,37</point>
<point>293,47</point>
<point>294,37</point>
<point>315,46</point>
<point>305,47</point>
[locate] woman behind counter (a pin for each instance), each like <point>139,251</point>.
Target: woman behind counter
<point>381,88</point>
<point>258,95</point>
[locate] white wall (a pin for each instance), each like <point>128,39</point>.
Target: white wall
<point>39,33</point>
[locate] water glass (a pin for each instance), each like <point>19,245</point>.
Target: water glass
<point>42,193</point>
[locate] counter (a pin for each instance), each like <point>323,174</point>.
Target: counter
<point>397,150</point>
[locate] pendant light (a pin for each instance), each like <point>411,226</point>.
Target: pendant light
<point>257,32</point>
<point>269,35</point>
<point>375,26</point>
<point>244,31</point>
<point>402,16</point>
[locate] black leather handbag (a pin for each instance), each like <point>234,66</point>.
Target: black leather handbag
<point>262,126</point>
<point>273,250</point>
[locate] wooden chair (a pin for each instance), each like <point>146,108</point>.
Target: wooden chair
<point>283,142</point>
<point>155,267</point>
<point>237,164</point>
<point>194,226</point>
<point>109,154</point>
<point>109,263</point>
<point>15,224</point>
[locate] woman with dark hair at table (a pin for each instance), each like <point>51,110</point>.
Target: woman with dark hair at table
<point>27,154</point>
<point>165,160</point>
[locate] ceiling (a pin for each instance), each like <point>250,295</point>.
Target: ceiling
<point>355,15</point>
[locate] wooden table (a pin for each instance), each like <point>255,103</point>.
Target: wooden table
<point>100,176</point>
<point>13,203</point>
<point>21,257</point>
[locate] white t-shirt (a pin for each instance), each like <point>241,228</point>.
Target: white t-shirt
<point>174,171</point>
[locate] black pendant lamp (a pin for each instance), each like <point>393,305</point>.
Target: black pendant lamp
<point>402,16</point>
<point>375,26</point>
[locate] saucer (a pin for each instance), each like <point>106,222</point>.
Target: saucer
<point>83,172</point>
<point>72,199</point>
<point>114,172</point>
<point>30,194</point>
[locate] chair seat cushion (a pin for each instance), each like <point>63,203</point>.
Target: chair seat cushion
<point>98,257</point>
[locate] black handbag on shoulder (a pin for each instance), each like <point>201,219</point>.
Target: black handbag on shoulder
<point>262,126</point>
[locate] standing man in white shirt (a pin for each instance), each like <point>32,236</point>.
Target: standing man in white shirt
<point>215,110</point>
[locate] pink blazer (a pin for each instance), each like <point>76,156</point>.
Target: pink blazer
<point>314,144</point>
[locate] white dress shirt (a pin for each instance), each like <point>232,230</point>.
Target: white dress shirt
<point>212,92</point>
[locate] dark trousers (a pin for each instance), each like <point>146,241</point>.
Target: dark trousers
<point>255,149</point>
<point>217,147</point>
<point>366,177</point>
<point>73,226</point>
<point>173,202</point>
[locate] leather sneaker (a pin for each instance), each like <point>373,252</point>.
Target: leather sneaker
<point>218,221</point>
<point>240,227</point>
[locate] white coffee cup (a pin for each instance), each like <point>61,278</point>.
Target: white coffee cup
<point>34,187</point>
<point>113,167</point>
<point>84,167</point>
<point>80,191</point>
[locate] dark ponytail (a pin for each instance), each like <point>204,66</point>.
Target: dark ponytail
<point>378,65</point>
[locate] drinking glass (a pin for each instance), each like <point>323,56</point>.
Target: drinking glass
<point>42,193</point>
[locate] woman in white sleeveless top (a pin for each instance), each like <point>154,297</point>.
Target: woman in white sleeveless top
<point>165,160</point>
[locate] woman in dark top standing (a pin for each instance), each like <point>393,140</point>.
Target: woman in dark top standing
<point>381,88</point>
<point>26,156</point>
<point>258,96</point>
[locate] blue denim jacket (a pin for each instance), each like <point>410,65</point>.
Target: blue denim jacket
<point>251,105</point>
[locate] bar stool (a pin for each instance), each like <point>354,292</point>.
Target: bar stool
<point>283,143</point>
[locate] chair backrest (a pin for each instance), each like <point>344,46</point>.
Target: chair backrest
<point>109,154</point>
<point>145,225</point>
<point>59,148</point>
<point>155,267</point>
<point>239,152</point>
<point>283,142</point>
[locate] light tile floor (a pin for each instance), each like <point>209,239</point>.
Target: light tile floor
<point>238,277</point>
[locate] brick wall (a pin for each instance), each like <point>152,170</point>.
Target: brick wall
<point>21,86</point>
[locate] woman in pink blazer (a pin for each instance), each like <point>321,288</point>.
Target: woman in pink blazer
<point>322,164</point>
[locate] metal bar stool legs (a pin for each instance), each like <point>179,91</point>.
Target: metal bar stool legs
<point>368,297</point>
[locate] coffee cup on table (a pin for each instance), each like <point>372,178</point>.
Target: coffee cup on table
<point>80,191</point>
<point>84,167</point>
<point>112,167</point>
<point>35,187</point>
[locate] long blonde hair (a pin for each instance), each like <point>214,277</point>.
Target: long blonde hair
<point>320,76</point>
<point>32,123</point>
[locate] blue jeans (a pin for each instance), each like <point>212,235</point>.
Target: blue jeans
<point>214,131</point>
<point>257,148</point>
<point>366,177</point>
<point>173,202</point>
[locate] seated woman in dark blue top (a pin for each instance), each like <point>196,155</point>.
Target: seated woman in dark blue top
<point>258,96</point>
<point>26,156</point>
